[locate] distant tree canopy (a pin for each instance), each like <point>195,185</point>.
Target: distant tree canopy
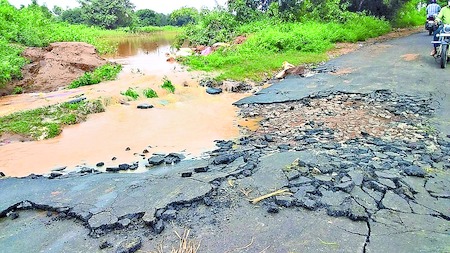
<point>148,17</point>
<point>379,8</point>
<point>295,9</point>
<point>72,16</point>
<point>109,14</point>
<point>184,16</point>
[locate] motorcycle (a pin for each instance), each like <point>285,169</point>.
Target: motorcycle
<point>431,25</point>
<point>442,50</point>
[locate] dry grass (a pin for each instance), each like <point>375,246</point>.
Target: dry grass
<point>186,245</point>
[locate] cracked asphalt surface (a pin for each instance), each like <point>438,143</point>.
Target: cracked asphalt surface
<point>347,188</point>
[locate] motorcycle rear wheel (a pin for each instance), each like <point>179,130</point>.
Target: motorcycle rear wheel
<point>430,32</point>
<point>444,56</point>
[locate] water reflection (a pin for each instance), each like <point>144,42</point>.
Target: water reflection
<point>142,44</point>
<point>144,53</point>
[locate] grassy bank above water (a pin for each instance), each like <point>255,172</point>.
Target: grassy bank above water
<point>270,43</point>
<point>47,122</point>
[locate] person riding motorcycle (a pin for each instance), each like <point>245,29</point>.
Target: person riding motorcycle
<point>433,8</point>
<point>444,16</point>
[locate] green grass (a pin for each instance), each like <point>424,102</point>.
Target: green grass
<point>150,93</point>
<point>268,46</point>
<point>17,90</point>
<point>131,93</point>
<point>167,85</point>
<point>106,72</point>
<point>48,122</point>
<point>10,62</point>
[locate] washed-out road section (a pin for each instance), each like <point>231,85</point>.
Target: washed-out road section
<point>366,194</point>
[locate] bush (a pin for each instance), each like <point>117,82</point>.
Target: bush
<point>150,93</point>
<point>17,90</point>
<point>106,72</point>
<point>408,15</point>
<point>167,85</point>
<point>10,62</point>
<point>133,94</point>
<point>214,26</point>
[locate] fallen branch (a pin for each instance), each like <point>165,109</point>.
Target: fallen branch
<point>258,199</point>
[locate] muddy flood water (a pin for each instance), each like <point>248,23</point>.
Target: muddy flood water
<point>188,121</point>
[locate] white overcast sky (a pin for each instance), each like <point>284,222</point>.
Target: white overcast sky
<point>160,6</point>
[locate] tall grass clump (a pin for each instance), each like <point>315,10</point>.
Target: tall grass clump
<point>106,72</point>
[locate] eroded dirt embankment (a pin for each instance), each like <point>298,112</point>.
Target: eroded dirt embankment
<point>55,66</point>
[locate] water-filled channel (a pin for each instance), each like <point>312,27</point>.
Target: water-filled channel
<point>188,121</point>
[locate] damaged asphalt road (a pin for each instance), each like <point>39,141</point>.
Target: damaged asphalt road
<point>360,157</point>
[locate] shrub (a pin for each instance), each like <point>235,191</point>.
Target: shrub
<point>17,90</point>
<point>10,62</point>
<point>214,26</point>
<point>408,15</point>
<point>167,85</point>
<point>131,93</point>
<point>150,93</point>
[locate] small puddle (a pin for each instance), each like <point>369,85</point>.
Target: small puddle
<point>188,121</point>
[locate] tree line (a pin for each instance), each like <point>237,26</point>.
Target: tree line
<point>111,14</point>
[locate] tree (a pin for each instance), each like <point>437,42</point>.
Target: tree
<point>72,16</point>
<point>57,10</point>
<point>109,14</point>
<point>379,8</point>
<point>184,16</point>
<point>148,17</point>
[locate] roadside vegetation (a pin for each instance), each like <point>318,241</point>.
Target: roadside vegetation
<point>47,122</point>
<point>296,33</point>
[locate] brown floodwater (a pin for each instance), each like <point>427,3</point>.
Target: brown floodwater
<point>188,121</point>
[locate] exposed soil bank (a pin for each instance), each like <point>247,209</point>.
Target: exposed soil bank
<point>55,66</point>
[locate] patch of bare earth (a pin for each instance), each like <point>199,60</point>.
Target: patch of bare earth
<point>410,57</point>
<point>55,66</point>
